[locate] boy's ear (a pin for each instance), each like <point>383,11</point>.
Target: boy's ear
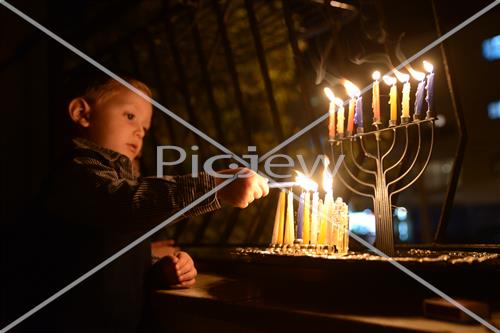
<point>79,111</point>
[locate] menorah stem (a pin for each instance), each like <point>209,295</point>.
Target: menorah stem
<point>384,237</point>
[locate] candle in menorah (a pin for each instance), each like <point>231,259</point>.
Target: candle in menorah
<point>377,145</point>
<point>321,225</point>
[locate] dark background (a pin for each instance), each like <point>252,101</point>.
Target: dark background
<point>201,60</point>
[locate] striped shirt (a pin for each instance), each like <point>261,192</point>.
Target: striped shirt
<point>97,206</point>
<point>98,187</point>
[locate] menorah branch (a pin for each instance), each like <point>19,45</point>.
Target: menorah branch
<point>423,167</point>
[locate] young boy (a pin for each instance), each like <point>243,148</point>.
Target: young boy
<point>96,206</point>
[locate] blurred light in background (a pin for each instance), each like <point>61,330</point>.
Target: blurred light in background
<point>491,48</point>
<point>401,214</point>
<point>494,110</point>
<point>363,224</point>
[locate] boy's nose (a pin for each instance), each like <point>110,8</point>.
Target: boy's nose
<point>140,132</point>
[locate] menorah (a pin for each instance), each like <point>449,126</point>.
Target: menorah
<point>382,188</point>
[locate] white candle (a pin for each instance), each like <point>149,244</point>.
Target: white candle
<point>289,236</point>
<point>314,218</point>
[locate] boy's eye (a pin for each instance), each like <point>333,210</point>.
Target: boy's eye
<point>129,115</point>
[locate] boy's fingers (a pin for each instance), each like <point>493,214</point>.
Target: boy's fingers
<point>184,260</point>
<point>188,284</point>
<point>185,269</point>
<point>191,274</point>
<point>257,194</point>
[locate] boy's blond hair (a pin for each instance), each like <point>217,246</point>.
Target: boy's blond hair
<point>99,92</point>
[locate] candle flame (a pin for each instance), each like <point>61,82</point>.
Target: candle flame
<point>376,75</point>
<point>389,80</point>
<point>327,176</point>
<point>329,93</point>
<point>419,76</point>
<point>339,102</point>
<point>305,182</point>
<point>402,77</point>
<point>428,66</point>
<point>351,89</point>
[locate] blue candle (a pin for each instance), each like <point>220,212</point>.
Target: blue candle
<point>300,216</point>
<point>430,94</point>
<point>430,89</point>
<point>419,98</point>
<point>358,114</point>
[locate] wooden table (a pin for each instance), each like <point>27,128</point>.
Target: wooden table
<point>220,304</point>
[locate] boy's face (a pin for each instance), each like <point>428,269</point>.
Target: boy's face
<point>120,121</point>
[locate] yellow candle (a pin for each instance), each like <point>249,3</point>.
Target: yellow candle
<point>322,222</point>
<point>328,205</point>
<point>314,218</point>
<point>331,221</point>
<point>279,220</point>
<point>289,236</point>
<point>340,116</point>
<point>376,97</point>
<point>393,98</point>
<point>307,214</point>
<point>405,100</point>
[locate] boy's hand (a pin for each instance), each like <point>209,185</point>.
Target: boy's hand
<point>178,270</point>
<point>244,190</point>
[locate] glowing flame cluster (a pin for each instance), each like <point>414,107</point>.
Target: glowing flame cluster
<point>402,77</point>
<point>327,176</point>
<point>351,89</point>
<point>428,66</point>
<point>389,80</point>
<point>305,182</point>
<point>419,76</point>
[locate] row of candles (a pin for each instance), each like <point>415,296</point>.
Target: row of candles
<point>320,222</point>
<point>355,115</point>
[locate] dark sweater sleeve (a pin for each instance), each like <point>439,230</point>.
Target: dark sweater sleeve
<point>91,193</point>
